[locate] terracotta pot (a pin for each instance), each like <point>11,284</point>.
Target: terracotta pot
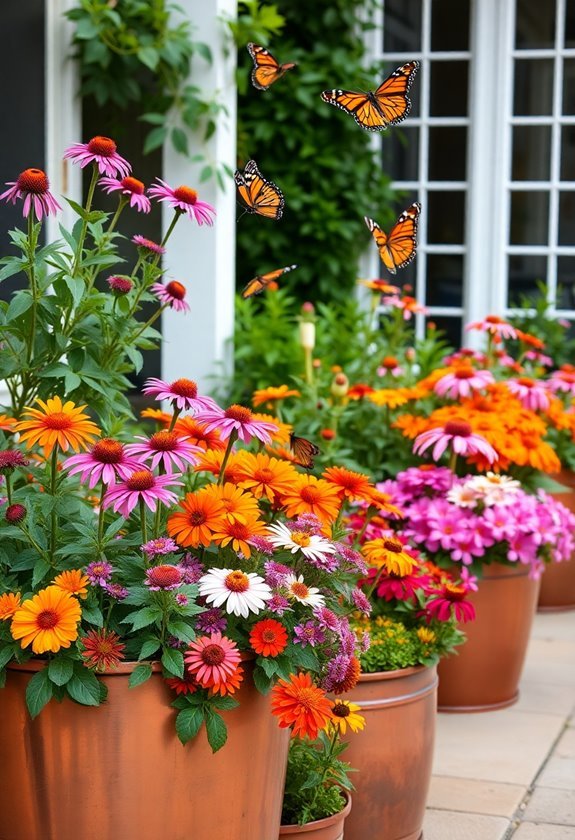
<point>557,592</point>
<point>484,673</point>
<point>393,754</point>
<point>119,770</point>
<point>330,828</point>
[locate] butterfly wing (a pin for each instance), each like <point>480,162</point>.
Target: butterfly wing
<point>398,248</point>
<point>304,451</point>
<point>262,281</point>
<point>391,96</point>
<point>266,69</point>
<point>361,106</point>
<point>259,195</point>
<point>381,241</point>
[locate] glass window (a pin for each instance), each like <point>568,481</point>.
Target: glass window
<point>533,87</point>
<point>525,272</point>
<point>402,26</point>
<point>566,218</point>
<point>450,25</point>
<point>444,280</point>
<point>529,217</point>
<point>535,24</point>
<point>567,172</point>
<point>450,327</point>
<point>569,86</point>
<point>566,282</point>
<point>446,217</point>
<point>448,89</point>
<point>531,159</point>
<point>400,153</point>
<point>447,153</point>
<point>569,40</point>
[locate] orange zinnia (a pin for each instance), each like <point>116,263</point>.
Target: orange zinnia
<point>283,429</point>
<point>350,485</point>
<point>238,505</point>
<point>7,423</point>
<point>57,424</point>
<point>73,582</point>
<point>302,705</point>
<point>9,603</point>
<point>271,395</point>
<point>197,434</point>
<point>202,514</point>
<point>48,620</point>
<point>265,476</point>
<point>312,495</point>
<point>390,397</point>
<point>157,414</point>
<point>268,637</point>
<point>236,534</point>
<point>211,461</point>
<point>410,425</point>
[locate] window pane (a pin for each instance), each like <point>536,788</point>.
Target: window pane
<point>402,26</point>
<point>566,218</point>
<point>529,218</point>
<point>535,24</point>
<point>450,25</point>
<point>450,327</point>
<point>569,86</point>
<point>444,280</point>
<point>400,154</point>
<point>565,282</point>
<point>448,88</point>
<point>569,25</point>
<point>524,274</point>
<point>533,87</point>
<point>446,217</point>
<point>567,172</point>
<point>531,153</point>
<point>447,153</point>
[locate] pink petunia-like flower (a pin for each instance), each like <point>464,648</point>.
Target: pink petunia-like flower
<point>239,419</point>
<point>494,325</point>
<point>148,245</point>
<point>212,659</point>
<point>173,293</point>
<point>144,485</point>
<point>33,186</point>
<point>182,393</point>
<point>456,434</point>
<point>103,152</point>
<point>129,187</point>
<point>166,448</point>
<point>450,600</point>
<point>159,546</point>
<point>530,393</point>
<point>463,382</point>
<point>184,200</point>
<point>106,461</point>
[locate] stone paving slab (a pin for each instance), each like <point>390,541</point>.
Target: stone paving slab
<point>478,797</point>
<point>448,825</point>
<point>544,831</point>
<point>550,805</point>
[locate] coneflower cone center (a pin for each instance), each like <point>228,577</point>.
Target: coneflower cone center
<point>58,421</point>
<point>47,619</point>
<point>464,373</point>
<point>525,381</point>
<point>455,593</point>
<point>237,581</point>
<point>393,545</point>
<point>186,194</point>
<point>164,441</point>
<point>184,388</point>
<point>459,428</point>
<point>213,655</point>
<point>389,362</point>
<point>104,146</point>
<point>300,590</point>
<point>141,480</point>
<point>108,451</point>
<point>33,181</point>
<point>239,413</point>
<point>164,576</point>
<point>133,185</point>
<point>176,290</point>
<point>494,319</point>
<point>341,710</point>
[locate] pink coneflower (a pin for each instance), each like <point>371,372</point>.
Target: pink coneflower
<point>462,382</point>
<point>120,285</point>
<point>148,245</point>
<point>164,577</point>
<point>184,200</point>
<point>128,186</point>
<point>212,659</point>
<point>458,435</point>
<point>389,365</point>
<point>166,448</point>
<point>408,304</point>
<point>450,601</point>
<point>99,572</point>
<point>182,393</point>
<point>494,325</point>
<point>160,546</point>
<point>33,186</point>
<point>102,152</point>
<point>530,393</point>
<point>10,459</point>
<point>106,461</point>
<point>562,380</point>
<point>539,358</point>
<point>143,485</point>
<point>239,419</point>
<point>173,293</point>
<point>116,590</point>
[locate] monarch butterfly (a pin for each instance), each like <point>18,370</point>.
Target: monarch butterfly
<point>261,281</point>
<point>397,248</point>
<point>303,450</point>
<point>375,110</point>
<point>260,196</point>
<point>266,69</point>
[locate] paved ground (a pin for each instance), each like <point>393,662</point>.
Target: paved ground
<point>511,773</point>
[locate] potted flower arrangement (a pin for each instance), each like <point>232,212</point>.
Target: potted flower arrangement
<point>162,579</point>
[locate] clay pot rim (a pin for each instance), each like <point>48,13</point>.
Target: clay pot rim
<point>393,675</point>
<point>123,668</point>
<point>318,824</point>
<point>502,570</point>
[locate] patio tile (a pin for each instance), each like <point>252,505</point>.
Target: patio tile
<point>476,797</point>
<point>551,806</point>
<point>550,661</point>
<point>545,698</point>
<point>559,772</point>
<point>448,825</point>
<point>544,831</point>
<point>554,626</point>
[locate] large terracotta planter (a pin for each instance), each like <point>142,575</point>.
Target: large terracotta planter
<point>484,674</point>
<point>557,592</point>
<point>330,828</point>
<point>119,770</point>
<point>393,754</point>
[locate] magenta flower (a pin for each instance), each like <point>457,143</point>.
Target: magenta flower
<point>162,545</point>
<point>106,461</point>
<point>165,577</point>
<point>361,601</point>
<point>184,200</point>
<point>102,152</point>
<point>494,325</point>
<point>148,245</point>
<point>562,380</point>
<point>183,394</point>
<point>278,605</point>
<point>120,285</point>
<point>10,459</point>
<point>173,293</point>
<point>450,601</point>
<point>458,435</point>
<point>239,419</point>
<point>211,621</point>
<point>308,633</point>
<point>116,590</point>
<point>463,382</point>
<point>166,448</point>
<point>33,186</point>
<point>128,186</point>
<point>141,485</point>
<point>396,587</point>
<point>326,619</point>
<point>530,393</point>
<point>99,572</point>
<point>192,568</point>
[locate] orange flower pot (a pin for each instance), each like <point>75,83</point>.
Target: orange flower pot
<point>393,754</point>
<point>330,828</point>
<point>557,592</point>
<point>484,674</point>
<point>119,770</point>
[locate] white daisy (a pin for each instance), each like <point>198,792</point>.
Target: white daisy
<point>494,489</point>
<point>311,546</point>
<point>299,591</point>
<point>463,496</point>
<point>241,592</point>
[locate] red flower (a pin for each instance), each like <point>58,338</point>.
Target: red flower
<point>268,637</point>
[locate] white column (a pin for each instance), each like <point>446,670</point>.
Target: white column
<point>203,258</point>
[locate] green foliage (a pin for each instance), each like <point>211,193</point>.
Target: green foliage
<point>325,165</point>
<point>403,644</point>
<point>535,315</point>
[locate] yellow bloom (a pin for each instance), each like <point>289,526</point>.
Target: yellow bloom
<point>57,424</point>
<point>425,635</point>
<point>73,582</point>
<point>389,553</point>
<point>346,714</point>
<point>267,396</point>
<point>48,620</point>
<point>9,603</point>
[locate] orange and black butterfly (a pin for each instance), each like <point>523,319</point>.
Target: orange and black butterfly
<point>262,281</point>
<point>375,110</point>
<point>303,450</point>
<point>266,69</point>
<point>397,248</point>
<point>259,196</point>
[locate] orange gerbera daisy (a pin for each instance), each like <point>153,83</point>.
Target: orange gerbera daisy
<point>302,705</point>
<point>410,425</point>
<point>283,429</point>
<point>389,553</point>
<point>197,434</point>
<point>383,502</point>
<point>239,506</point>
<point>158,415</point>
<point>212,459</point>
<point>265,476</point>
<point>73,581</point>
<point>268,637</point>
<point>236,534</point>
<point>48,620</point>
<point>350,485</point>
<point>389,397</point>
<point>271,395</point>
<point>202,514</point>
<point>309,494</point>
<point>7,423</point>
<point>9,603</point>
<point>57,424</point>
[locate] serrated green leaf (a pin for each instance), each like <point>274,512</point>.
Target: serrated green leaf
<point>84,687</point>
<point>93,614</point>
<point>222,703</point>
<point>60,670</point>
<point>6,654</point>
<point>149,648</point>
<point>183,631</point>
<point>173,661</point>
<point>38,692</point>
<point>269,666</point>
<point>216,730</point>
<point>139,675</point>
<point>188,723</point>
<point>143,617</point>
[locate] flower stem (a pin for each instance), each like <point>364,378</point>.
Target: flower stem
<point>101,516</point>
<point>54,516</point>
<point>121,204</point>
<point>148,323</point>
<point>175,415</point>
<point>173,224</point>
<point>8,487</point>
<point>143,521</point>
<point>453,462</point>
<point>78,256</point>
<point>232,439</point>
<point>33,285</point>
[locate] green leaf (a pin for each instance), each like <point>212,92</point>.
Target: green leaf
<point>173,661</point>
<point>183,631</point>
<point>143,617</point>
<point>216,730</point>
<point>180,141</point>
<point>6,654</point>
<point>93,614</point>
<point>148,56</point>
<point>20,303</point>
<point>77,287</point>
<point>261,681</point>
<point>149,648</point>
<point>226,702</point>
<point>60,670</point>
<point>188,723</point>
<point>84,687</point>
<point>38,692</point>
<point>41,568</point>
<point>269,665</point>
<point>155,139</point>
<point>139,675</point>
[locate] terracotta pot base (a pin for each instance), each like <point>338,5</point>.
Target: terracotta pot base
<point>485,707</point>
<point>558,582</point>
<point>566,608</point>
<point>330,828</point>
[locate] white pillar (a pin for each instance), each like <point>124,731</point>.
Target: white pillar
<point>203,258</point>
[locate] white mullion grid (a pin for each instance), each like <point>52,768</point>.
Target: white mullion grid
<point>541,250</point>
<point>439,122</point>
<point>549,52</point>
<point>452,55</point>
<point>541,186</point>
<point>446,311</point>
<point>437,186</point>
<point>420,270</point>
<point>553,229</point>
<point>543,120</point>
